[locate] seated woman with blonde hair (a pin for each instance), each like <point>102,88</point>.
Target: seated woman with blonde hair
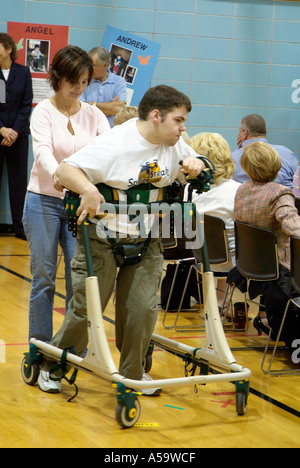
<point>124,114</point>
<point>219,200</point>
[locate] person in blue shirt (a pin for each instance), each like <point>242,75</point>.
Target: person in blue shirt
<point>107,91</point>
<point>253,128</point>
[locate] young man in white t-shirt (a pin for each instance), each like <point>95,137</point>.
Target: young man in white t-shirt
<point>143,150</point>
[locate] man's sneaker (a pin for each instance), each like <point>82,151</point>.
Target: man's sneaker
<point>149,391</point>
<point>48,385</point>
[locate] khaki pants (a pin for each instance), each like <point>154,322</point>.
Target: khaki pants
<point>136,301</point>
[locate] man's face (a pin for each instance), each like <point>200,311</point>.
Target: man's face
<point>242,136</point>
<point>100,69</point>
<point>170,127</point>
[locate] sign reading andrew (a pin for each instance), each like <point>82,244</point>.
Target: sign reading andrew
<point>134,58</point>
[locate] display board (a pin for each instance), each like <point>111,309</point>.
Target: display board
<point>134,58</point>
<point>37,44</point>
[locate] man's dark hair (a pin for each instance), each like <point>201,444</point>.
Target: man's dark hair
<point>163,98</point>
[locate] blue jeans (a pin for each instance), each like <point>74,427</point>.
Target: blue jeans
<point>46,226</point>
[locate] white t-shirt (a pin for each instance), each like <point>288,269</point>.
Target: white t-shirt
<point>123,159</point>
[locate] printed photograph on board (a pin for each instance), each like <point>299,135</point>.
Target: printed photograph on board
<point>120,59</point>
<point>37,55</point>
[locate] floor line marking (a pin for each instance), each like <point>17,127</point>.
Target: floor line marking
<point>257,393</point>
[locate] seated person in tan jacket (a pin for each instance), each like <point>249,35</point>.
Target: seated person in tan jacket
<point>263,203</point>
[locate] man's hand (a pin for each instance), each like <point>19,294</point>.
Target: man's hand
<point>75,180</point>
<point>90,201</point>
<point>192,166</point>
<point>239,141</point>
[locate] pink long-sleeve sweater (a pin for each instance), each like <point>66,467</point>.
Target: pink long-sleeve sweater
<point>53,142</point>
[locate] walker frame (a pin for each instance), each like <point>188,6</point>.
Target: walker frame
<point>214,356</point>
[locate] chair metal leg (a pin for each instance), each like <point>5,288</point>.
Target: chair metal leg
<point>184,328</point>
<point>265,354</point>
<point>177,262</point>
<point>224,300</point>
<point>58,264</point>
<point>169,298</point>
<point>269,369</point>
<point>224,310</point>
<point>182,297</point>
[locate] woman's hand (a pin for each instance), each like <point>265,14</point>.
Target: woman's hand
<point>6,142</point>
<point>56,183</point>
<point>9,136</point>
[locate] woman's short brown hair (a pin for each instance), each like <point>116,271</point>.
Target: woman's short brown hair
<point>260,161</point>
<point>70,62</point>
<point>8,43</point>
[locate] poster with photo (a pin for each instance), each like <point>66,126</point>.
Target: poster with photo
<point>37,44</point>
<point>134,58</point>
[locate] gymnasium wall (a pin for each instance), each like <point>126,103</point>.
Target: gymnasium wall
<point>232,57</point>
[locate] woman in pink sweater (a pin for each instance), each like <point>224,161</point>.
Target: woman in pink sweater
<point>60,126</point>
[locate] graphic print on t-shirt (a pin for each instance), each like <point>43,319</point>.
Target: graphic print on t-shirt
<point>149,172</point>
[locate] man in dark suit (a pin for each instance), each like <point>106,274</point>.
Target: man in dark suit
<point>15,107</point>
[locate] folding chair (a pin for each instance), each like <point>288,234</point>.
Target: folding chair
<point>171,255</point>
<point>295,285</point>
<point>256,256</point>
<point>216,240</point>
<point>217,247</point>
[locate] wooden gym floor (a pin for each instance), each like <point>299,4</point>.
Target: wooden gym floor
<point>179,418</point>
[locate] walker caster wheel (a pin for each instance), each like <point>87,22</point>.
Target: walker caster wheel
<point>30,367</point>
<point>241,396</point>
<point>128,417</point>
<point>128,409</point>
<point>147,364</point>
<point>30,372</point>
<point>241,403</point>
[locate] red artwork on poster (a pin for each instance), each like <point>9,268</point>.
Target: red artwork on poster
<point>37,44</point>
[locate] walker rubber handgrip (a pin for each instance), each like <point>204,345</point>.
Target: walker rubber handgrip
<point>202,182</point>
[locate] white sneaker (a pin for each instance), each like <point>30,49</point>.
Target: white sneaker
<point>149,391</point>
<point>48,385</point>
